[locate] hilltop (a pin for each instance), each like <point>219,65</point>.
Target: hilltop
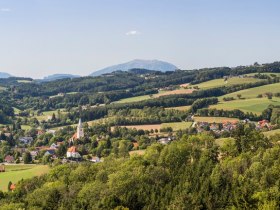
<point>137,63</point>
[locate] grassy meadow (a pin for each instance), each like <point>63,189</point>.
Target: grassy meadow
<point>15,173</point>
<point>220,82</point>
<point>254,92</point>
<point>271,133</point>
<point>254,105</point>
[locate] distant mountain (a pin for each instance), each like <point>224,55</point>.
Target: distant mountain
<point>5,75</point>
<point>58,76</point>
<point>138,64</point>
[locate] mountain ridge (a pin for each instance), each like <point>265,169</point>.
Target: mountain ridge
<point>155,65</point>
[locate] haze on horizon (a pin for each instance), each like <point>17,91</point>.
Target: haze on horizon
<point>42,37</point>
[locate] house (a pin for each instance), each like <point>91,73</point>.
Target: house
<point>25,140</point>
<point>51,131</point>
<point>9,159</point>
<point>95,159</point>
<point>135,145</point>
<point>7,134</point>
<point>12,187</point>
<point>49,152</point>
<point>73,153</point>
<point>34,154</point>
<point>53,146</point>
<point>40,132</point>
<point>165,140</point>
<point>2,168</point>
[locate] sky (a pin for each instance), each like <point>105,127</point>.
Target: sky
<point>43,37</point>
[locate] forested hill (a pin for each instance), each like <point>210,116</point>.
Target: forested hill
<point>191,173</point>
<point>130,80</point>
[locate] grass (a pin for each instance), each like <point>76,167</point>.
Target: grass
<point>159,94</point>
<point>15,173</point>
<point>25,127</point>
<point>2,88</point>
<point>254,105</point>
<point>271,133</point>
<point>214,119</point>
<point>220,82</point>
<point>24,81</point>
<point>134,99</point>
<point>265,73</point>
<point>180,108</point>
<point>46,114</point>
<point>253,92</point>
<point>16,110</point>
<point>177,125</point>
<point>137,152</point>
<point>221,141</point>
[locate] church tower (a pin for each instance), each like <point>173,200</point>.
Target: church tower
<point>80,130</point>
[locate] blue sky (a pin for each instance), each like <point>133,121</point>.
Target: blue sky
<point>41,37</point>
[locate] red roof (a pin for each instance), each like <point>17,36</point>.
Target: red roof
<point>12,187</point>
<point>72,149</point>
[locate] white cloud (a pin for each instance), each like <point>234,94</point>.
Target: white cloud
<point>132,33</point>
<point>5,10</point>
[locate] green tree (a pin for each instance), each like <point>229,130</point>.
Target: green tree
<point>27,158</point>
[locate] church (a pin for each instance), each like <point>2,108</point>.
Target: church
<point>79,134</point>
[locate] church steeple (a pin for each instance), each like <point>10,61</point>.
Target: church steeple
<point>80,130</point>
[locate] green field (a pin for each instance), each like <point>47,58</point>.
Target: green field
<point>46,114</point>
<point>255,105</point>
<point>253,92</point>
<point>24,81</point>
<point>134,99</point>
<point>221,141</point>
<point>16,110</point>
<point>265,73</point>
<point>180,108</point>
<point>271,133</point>
<point>15,173</point>
<point>25,127</point>
<point>177,125</point>
<point>220,82</point>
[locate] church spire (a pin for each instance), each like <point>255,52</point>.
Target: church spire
<point>80,130</point>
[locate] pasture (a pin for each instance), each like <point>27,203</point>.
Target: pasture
<point>180,108</point>
<point>254,92</point>
<point>15,173</point>
<point>254,105</point>
<point>157,95</point>
<point>220,82</point>
<point>271,133</point>
<point>174,125</point>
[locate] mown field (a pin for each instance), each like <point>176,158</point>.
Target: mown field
<point>174,125</point>
<point>180,108</point>
<point>220,82</point>
<point>254,92</point>
<point>214,119</point>
<point>161,93</point>
<point>15,173</point>
<point>254,105</point>
<point>45,115</point>
<point>271,133</point>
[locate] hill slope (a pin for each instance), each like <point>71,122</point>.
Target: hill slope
<point>140,64</point>
<point>5,75</point>
<point>58,76</point>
